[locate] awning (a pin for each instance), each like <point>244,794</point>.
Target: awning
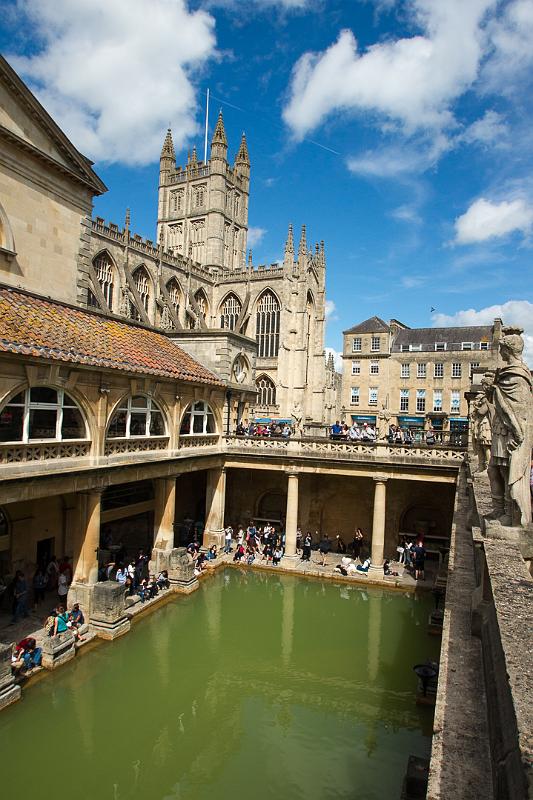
<point>364,418</point>
<point>411,421</point>
<point>459,419</point>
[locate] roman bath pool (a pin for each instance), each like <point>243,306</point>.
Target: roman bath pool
<point>256,686</point>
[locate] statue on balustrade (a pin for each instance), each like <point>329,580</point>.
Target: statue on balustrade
<point>480,425</point>
<point>512,419</point>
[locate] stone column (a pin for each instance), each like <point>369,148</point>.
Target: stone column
<point>9,691</point>
<point>291,517</point>
<point>86,557</point>
<point>215,503</point>
<point>165,509</point>
<point>378,523</point>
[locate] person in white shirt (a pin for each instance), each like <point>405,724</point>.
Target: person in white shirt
<point>364,567</point>
<point>121,575</point>
<point>228,536</point>
<point>354,434</point>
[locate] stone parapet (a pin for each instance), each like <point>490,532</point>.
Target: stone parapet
<point>9,691</point>
<point>181,571</point>
<point>57,650</point>
<point>108,616</point>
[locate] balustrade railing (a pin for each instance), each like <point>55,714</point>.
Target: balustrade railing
<point>43,451</point>
<point>200,440</point>
<point>115,447</point>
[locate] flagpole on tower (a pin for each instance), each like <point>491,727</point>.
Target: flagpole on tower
<point>206,126</point>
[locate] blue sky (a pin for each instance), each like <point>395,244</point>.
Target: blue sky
<point>398,132</point>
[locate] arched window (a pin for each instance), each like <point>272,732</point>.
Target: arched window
<point>229,312</point>
<point>41,413</point>
<point>103,266</point>
<point>267,326</point>
<point>266,391</point>
<point>136,416</point>
<point>142,283</point>
<point>198,419</point>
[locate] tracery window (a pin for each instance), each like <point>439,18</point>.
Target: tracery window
<point>174,293</point>
<point>266,391</point>
<point>229,312</point>
<point>198,419</point>
<point>41,413</point>
<point>136,416</point>
<point>142,283</point>
<point>267,326</point>
<point>103,267</point>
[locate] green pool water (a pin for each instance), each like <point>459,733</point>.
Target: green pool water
<point>256,686</point>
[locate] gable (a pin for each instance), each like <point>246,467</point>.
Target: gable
<point>25,121</point>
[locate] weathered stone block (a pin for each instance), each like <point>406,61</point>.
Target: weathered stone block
<point>160,560</point>
<point>181,571</point>
<point>9,692</point>
<point>108,618</point>
<point>58,649</point>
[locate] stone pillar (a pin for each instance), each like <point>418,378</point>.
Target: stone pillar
<point>108,615</point>
<point>181,571</point>
<point>85,551</point>
<point>378,523</point>
<point>86,557</point>
<point>164,512</point>
<point>215,503</point>
<point>9,691</point>
<point>291,517</point>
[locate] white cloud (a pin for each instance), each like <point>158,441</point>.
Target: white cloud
<point>255,236</point>
<point>406,213</point>
<point>514,312</point>
<point>413,281</point>
<point>114,74</point>
<point>489,129</point>
<point>330,311</point>
<point>412,80</point>
<point>485,220</point>
<point>400,160</point>
<point>337,358</point>
<point>511,37</point>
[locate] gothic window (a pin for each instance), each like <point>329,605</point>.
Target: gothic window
<point>136,416</point>
<point>203,307</point>
<point>237,205</point>
<point>142,283</point>
<point>174,293</point>
<point>175,237</point>
<point>199,196</point>
<point>103,267</point>
<point>266,391</point>
<point>176,200</point>
<point>198,419</point>
<point>41,413</point>
<point>229,312</point>
<point>197,239</point>
<point>267,325</point>
<point>227,235</point>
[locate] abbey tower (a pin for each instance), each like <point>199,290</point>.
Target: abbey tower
<point>203,207</point>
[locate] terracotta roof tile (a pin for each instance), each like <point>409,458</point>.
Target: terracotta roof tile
<point>42,328</point>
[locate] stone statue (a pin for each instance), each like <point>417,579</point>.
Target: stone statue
<point>382,428</point>
<point>512,405</point>
<point>480,425</point>
<point>296,414</point>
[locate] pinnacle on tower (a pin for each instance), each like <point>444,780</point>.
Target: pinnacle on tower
<point>167,151</point>
<point>194,159</point>
<point>219,134</point>
<point>250,259</point>
<point>289,244</point>
<point>302,249</point>
<point>242,156</point>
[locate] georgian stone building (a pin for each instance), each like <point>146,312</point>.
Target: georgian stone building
<point>413,377</point>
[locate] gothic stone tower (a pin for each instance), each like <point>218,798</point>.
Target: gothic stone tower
<point>203,208</point>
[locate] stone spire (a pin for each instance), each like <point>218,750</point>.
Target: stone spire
<point>194,158</point>
<point>219,142</point>
<point>289,244</point>
<point>167,151</point>
<point>242,156</point>
<point>250,259</point>
<point>302,249</point>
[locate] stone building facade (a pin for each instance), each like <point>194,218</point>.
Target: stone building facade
<point>197,278</point>
<point>413,377</point>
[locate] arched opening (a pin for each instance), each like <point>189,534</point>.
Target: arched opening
<point>200,298</point>
<point>198,419</point>
<point>230,309</point>
<point>42,413</point>
<point>422,521</point>
<point>272,507</point>
<point>267,325</point>
<point>103,268</point>
<point>142,284</point>
<point>136,416</point>
<point>266,390</point>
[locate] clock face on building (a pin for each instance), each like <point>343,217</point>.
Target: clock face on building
<point>239,372</point>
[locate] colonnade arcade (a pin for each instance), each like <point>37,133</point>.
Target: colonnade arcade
<point>162,513</point>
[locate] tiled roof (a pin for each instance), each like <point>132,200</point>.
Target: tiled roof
<point>40,328</point>
<point>372,325</point>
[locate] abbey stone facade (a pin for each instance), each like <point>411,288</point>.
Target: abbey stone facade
<point>197,280</point>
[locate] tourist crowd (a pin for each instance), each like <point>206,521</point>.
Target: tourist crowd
<point>353,433</point>
<point>265,429</point>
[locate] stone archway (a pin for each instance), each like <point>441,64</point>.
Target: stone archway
<point>271,506</point>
